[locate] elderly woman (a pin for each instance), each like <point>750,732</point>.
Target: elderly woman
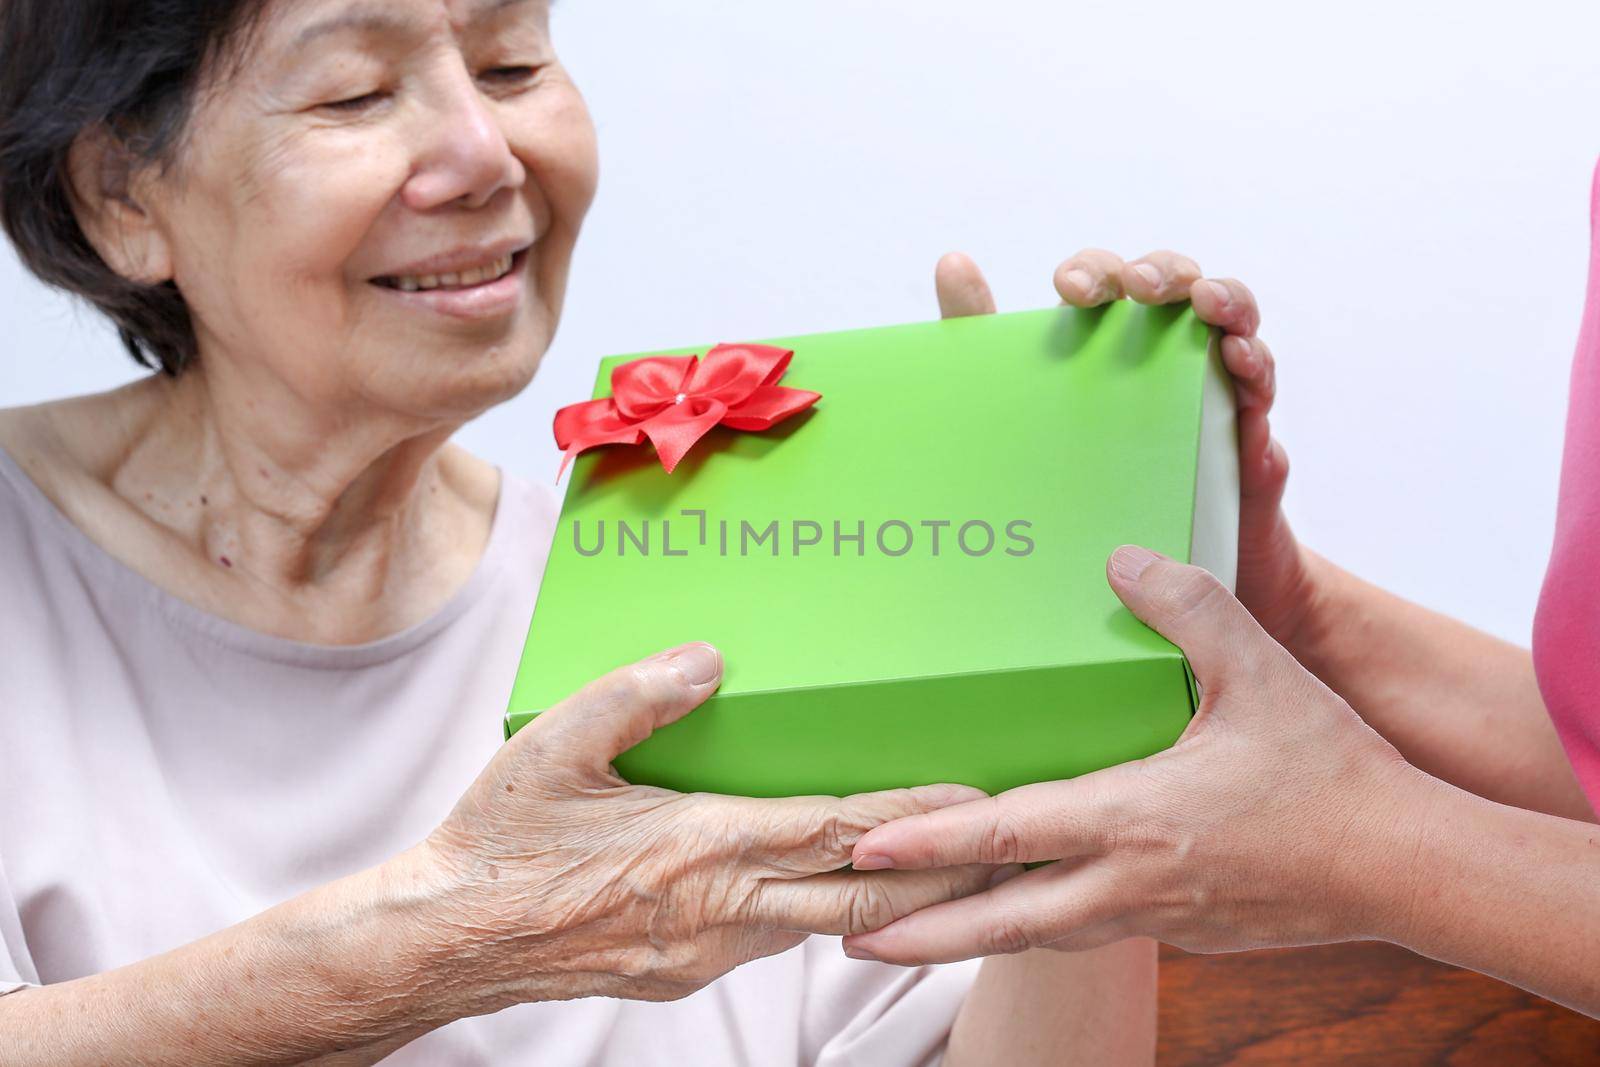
<point>257,614</point>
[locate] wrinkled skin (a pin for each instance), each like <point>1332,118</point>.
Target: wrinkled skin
<point>565,881</point>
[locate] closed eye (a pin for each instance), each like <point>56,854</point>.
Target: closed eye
<point>510,74</point>
<point>357,103</point>
<point>503,75</point>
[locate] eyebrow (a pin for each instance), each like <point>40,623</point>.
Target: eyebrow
<point>383,19</point>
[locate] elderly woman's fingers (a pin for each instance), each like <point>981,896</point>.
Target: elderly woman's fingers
<point>740,942</point>
<point>809,835</point>
<point>1035,909</point>
<point>680,967</point>
<point>961,287</point>
<point>843,902</point>
<point>618,710</point>
<point>1160,277</point>
<point>1090,278</point>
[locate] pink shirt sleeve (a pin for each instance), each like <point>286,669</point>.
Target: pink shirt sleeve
<point>1566,629</point>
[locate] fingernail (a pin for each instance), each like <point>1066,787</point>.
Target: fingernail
<point>1130,561</point>
<point>860,954</point>
<point>1149,273</point>
<point>872,861</point>
<point>1081,279</point>
<point>699,663</point>
<point>1005,874</point>
<point>1219,291</point>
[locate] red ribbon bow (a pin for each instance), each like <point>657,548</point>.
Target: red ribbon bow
<point>675,400</point>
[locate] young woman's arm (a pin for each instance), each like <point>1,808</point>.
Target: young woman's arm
<point>1500,890</point>
<point>1456,702</point>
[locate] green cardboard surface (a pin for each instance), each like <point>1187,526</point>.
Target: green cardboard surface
<point>849,666</point>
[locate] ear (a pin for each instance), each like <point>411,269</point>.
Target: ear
<point>111,196</point>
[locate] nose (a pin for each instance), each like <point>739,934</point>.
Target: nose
<point>463,154</point>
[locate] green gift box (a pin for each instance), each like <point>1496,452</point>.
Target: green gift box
<point>907,581</point>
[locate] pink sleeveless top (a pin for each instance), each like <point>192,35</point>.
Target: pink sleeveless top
<point>1566,629</point>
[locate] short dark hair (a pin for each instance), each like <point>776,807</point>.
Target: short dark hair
<point>135,68</point>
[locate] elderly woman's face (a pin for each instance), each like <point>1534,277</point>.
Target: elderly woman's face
<point>380,208</point>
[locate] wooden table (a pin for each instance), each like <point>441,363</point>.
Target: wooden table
<point>1356,1004</point>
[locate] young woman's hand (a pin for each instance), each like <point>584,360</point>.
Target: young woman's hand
<point>1279,817</point>
<point>1274,572</point>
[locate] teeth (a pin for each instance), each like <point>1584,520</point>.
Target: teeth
<point>411,283</point>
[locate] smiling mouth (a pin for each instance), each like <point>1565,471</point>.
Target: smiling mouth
<point>466,279</point>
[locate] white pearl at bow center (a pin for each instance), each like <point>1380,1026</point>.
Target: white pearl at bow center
<point>680,398</point>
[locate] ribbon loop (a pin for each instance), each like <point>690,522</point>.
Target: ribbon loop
<point>642,387</point>
<point>676,400</point>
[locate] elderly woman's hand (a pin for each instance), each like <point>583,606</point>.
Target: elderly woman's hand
<point>1272,821</point>
<point>561,880</point>
<point>1275,574</point>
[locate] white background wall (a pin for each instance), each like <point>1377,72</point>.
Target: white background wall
<point>1405,185</point>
